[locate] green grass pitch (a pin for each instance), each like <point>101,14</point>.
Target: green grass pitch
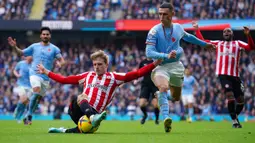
<point>129,132</point>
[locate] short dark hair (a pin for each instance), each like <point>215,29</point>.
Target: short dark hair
<point>45,28</point>
<point>167,5</point>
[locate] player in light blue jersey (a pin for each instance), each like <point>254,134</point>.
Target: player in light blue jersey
<point>23,89</point>
<point>187,93</point>
<point>43,53</point>
<point>163,42</point>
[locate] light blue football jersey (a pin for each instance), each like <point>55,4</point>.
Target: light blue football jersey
<point>45,55</point>
<point>22,68</point>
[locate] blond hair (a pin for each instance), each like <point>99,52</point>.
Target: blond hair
<point>100,54</point>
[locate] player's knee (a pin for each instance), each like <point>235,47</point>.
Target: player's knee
<point>163,88</point>
<point>240,100</point>
<point>230,96</point>
<point>23,99</point>
<point>37,89</point>
<point>142,102</point>
<point>176,98</point>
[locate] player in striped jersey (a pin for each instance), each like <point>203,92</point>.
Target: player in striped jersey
<point>99,89</point>
<point>228,54</point>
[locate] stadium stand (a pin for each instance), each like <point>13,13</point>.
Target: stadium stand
<point>15,9</point>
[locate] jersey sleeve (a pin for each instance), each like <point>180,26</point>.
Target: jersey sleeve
<point>189,37</point>
<point>28,51</point>
<point>245,46</point>
<point>57,53</point>
<point>72,79</point>
<point>17,67</point>
<point>152,37</point>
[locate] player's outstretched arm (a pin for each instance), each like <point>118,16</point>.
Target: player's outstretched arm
<point>12,42</point>
<point>197,30</point>
<point>138,73</point>
<point>73,79</point>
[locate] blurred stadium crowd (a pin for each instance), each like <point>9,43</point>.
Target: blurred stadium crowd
<point>209,97</point>
<point>128,9</point>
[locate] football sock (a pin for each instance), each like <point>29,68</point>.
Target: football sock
<point>231,109</point>
<point>33,103</point>
<point>163,104</point>
<point>86,108</point>
<point>73,130</point>
<point>156,111</point>
<point>20,108</point>
<point>239,108</point>
<point>144,110</point>
<point>191,112</point>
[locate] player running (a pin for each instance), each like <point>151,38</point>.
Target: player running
<point>187,93</point>
<point>228,54</point>
<point>148,92</point>
<point>43,53</point>
<point>24,89</point>
<point>163,42</point>
<point>99,88</point>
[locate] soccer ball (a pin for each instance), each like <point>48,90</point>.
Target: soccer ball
<point>85,125</point>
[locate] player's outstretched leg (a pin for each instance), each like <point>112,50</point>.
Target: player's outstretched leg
<point>97,119</point>
<point>57,130</point>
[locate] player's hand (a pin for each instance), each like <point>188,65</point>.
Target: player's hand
<point>210,47</point>
<point>12,42</point>
<point>135,82</point>
<point>172,55</point>
<point>41,69</point>
<point>246,30</point>
<point>195,24</point>
<point>157,62</point>
<point>58,65</point>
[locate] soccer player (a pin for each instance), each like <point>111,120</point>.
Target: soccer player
<point>99,88</point>
<point>187,93</point>
<point>42,52</point>
<point>228,53</point>
<point>163,42</point>
<point>24,89</point>
<point>148,91</point>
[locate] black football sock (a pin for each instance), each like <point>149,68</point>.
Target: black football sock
<point>73,130</point>
<point>156,111</point>
<point>144,110</point>
<point>231,109</point>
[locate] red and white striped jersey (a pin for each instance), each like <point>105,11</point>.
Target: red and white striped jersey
<point>228,56</point>
<point>100,89</point>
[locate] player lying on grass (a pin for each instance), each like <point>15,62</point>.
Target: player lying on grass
<point>99,88</point>
<point>228,54</point>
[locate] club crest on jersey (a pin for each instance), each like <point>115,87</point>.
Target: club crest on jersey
<point>108,77</point>
<point>49,50</point>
